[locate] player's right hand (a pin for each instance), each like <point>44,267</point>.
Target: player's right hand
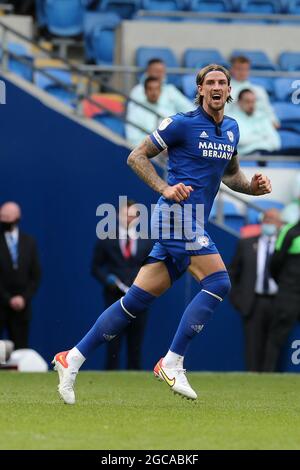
<point>179,192</point>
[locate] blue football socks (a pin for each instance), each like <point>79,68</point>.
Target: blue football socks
<point>115,318</point>
<point>200,309</point>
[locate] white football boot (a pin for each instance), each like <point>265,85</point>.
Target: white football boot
<point>176,379</point>
<point>66,376</point>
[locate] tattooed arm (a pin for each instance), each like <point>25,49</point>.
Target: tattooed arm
<point>236,180</point>
<point>139,161</point>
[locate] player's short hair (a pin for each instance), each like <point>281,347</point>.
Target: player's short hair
<point>201,76</point>
<point>155,60</point>
<point>149,80</point>
<point>239,59</point>
<point>242,93</point>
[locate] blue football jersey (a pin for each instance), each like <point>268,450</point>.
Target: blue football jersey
<point>199,151</point>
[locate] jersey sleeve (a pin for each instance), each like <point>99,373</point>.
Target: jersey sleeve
<point>237,140</point>
<point>169,133</point>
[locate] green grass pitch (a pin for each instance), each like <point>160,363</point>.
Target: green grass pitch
<point>135,411</point>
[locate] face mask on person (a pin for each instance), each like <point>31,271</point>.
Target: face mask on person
<point>8,226</point>
<point>268,229</point>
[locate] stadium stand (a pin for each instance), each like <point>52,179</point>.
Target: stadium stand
<point>64,18</point>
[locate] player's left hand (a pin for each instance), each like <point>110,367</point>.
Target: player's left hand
<point>260,185</point>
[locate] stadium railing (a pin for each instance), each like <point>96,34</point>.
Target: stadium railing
<point>83,87</point>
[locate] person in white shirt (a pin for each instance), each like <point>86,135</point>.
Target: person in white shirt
<point>170,95</point>
<point>257,133</point>
<point>240,72</point>
<point>253,289</point>
<point>150,117</point>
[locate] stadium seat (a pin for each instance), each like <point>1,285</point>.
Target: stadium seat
<point>22,69</point>
<point>111,102</point>
<point>144,54</point>
<point>102,44</point>
<point>93,20</point>
<point>289,61</point>
<point>197,58</point>
<point>283,88</point>
<point>114,124</point>
<point>259,59</point>
<point>260,6</point>
<point>266,82</point>
<point>64,17</point>
<point>290,142</point>
<point>124,8</point>
<point>293,7</point>
<point>253,215</point>
<point>162,5</point>
<point>189,86</point>
<point>216,6</point>
<point>288,114</point>
<point>232,217</point>
<point>53,87</point>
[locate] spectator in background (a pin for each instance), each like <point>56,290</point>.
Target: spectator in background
<point>285,268</point>
<point>144,118</point>
<point>19,276</point>
<point>115,265</point>
<point>257,133</point>
<point>240,71</point>
<point>170,95</point>
<point>291,213</point>
<point>253,289</point>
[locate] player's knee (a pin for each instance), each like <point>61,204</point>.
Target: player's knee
<point>217,283</point>
<point>136,301</point>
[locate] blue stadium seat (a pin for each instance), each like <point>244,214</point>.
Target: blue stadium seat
<point>64,17</point>
<point>68,96</point>
<point>283,88</point>
<point>197,58</point>
<point>102,43</point>
<point>124,8</point>
<point>290,142</point>
<point>113,123</point>
<point>253,215</point>
<point>265,82</point>
<point>259,59</point>
<point>24,70</point>
<point>260,6</point>
<point>293,7</point>
<point>144,54</point>
<point>216,6</point>
<point>289,61</point>
<point>189,86</point>
<point>163,5</point>
<point>94,19</point>
<point>288,114</point>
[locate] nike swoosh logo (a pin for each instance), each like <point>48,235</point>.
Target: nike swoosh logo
<point>170,382</point>
<point>61,358</point>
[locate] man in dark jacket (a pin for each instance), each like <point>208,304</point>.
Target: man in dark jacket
<point>19,276</point>
<point>285,268</point>
<point>116,263</point>
<point>253,289</point>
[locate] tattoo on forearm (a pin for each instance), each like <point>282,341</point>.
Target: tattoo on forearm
<point>139,161</point>
<point>235,179</point>
<point>238,182</point>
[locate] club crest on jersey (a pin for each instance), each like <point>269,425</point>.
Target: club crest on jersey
<point>230,136</point>
<point>165,123</point>
<point>203,241</point>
